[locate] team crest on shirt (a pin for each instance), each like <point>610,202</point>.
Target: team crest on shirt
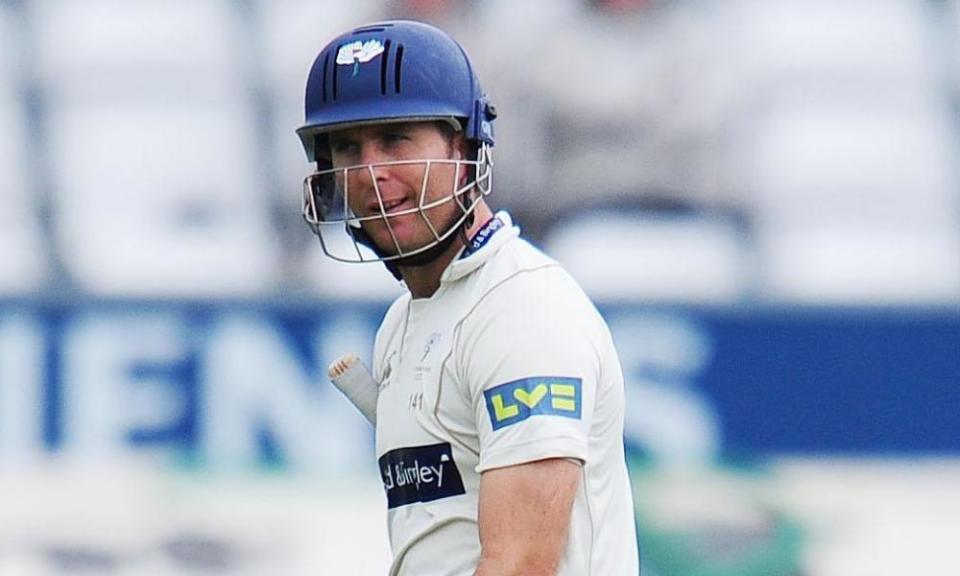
<point>536,396</point>
<point>431,342</point>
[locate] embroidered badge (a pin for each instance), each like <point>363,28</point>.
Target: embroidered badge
<point>428,347</point>
<point>359,52</point>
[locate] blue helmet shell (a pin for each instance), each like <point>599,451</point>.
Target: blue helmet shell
<point>394,71</point>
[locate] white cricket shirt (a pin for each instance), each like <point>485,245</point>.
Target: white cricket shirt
<point>508,362</point>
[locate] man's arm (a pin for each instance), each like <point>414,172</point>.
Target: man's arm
<point>525,517</point>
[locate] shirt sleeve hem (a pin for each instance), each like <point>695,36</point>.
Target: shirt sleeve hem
<point>554,447</point>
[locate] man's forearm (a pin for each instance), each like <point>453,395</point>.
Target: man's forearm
<point>521,566</point>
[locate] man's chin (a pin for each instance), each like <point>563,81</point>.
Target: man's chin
<point>401,242</point>
<point>412,237</point>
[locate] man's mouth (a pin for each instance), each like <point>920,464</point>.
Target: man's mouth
<point>388,206</point>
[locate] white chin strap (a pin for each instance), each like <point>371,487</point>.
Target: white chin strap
<point>326,208</point>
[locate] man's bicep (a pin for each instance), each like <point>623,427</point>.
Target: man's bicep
<point>524,516</point>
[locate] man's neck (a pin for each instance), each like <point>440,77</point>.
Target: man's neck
<point>423,281</point>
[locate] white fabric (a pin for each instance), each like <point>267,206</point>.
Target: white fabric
<point>502,314</point>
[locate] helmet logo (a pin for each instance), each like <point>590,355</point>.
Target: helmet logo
<point>359,52</point>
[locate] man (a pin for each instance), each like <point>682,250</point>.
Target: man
<point>499,395</point>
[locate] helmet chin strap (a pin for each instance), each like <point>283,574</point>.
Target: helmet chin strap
<point>415,260</point>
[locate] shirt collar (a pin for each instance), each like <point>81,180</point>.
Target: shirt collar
<point>482,246</point>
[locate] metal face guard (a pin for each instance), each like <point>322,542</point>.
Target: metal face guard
<point>326,206</point>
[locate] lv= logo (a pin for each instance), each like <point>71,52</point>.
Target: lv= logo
<point>518,400</point>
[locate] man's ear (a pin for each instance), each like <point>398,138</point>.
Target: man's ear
<point>461,148</point>
<point>461,151</point>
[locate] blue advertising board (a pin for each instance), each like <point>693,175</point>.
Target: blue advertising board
<point>243,383</point>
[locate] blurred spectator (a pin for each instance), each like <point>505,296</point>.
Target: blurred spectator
<point>22,255</point>
<point>631,107</point>
<point>619,6</point>
<point>437,12</point>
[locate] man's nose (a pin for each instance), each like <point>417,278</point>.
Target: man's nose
<point>370,171</point>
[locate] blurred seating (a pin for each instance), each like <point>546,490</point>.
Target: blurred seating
<point>620,255</point>
<point>175,170</point>
<point>23,265</point>
<point>857,206</point>
<point>836,42</point>
<point>152,138</point>
<point>847,151</point>
<point>950,38</point>
<point>328,278</point>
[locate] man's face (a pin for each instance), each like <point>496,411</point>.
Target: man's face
<point>384,191</point>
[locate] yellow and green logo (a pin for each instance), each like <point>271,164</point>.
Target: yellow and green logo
<point>540,395</point>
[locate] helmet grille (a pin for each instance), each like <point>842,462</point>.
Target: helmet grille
<point>374,28</point>
<point>334,75</point>
<point>397,67</point>
<point>383,68</point>
<point>326,66</point>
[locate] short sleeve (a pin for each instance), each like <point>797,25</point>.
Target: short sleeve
<point>529,361</point>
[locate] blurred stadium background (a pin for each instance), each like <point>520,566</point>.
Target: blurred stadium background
<point>763,196</point>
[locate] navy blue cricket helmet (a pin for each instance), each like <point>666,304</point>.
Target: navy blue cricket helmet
<point>394,71</point>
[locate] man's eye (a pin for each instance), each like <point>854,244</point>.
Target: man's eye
<point>342,147</point>
<point>394,137</point>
